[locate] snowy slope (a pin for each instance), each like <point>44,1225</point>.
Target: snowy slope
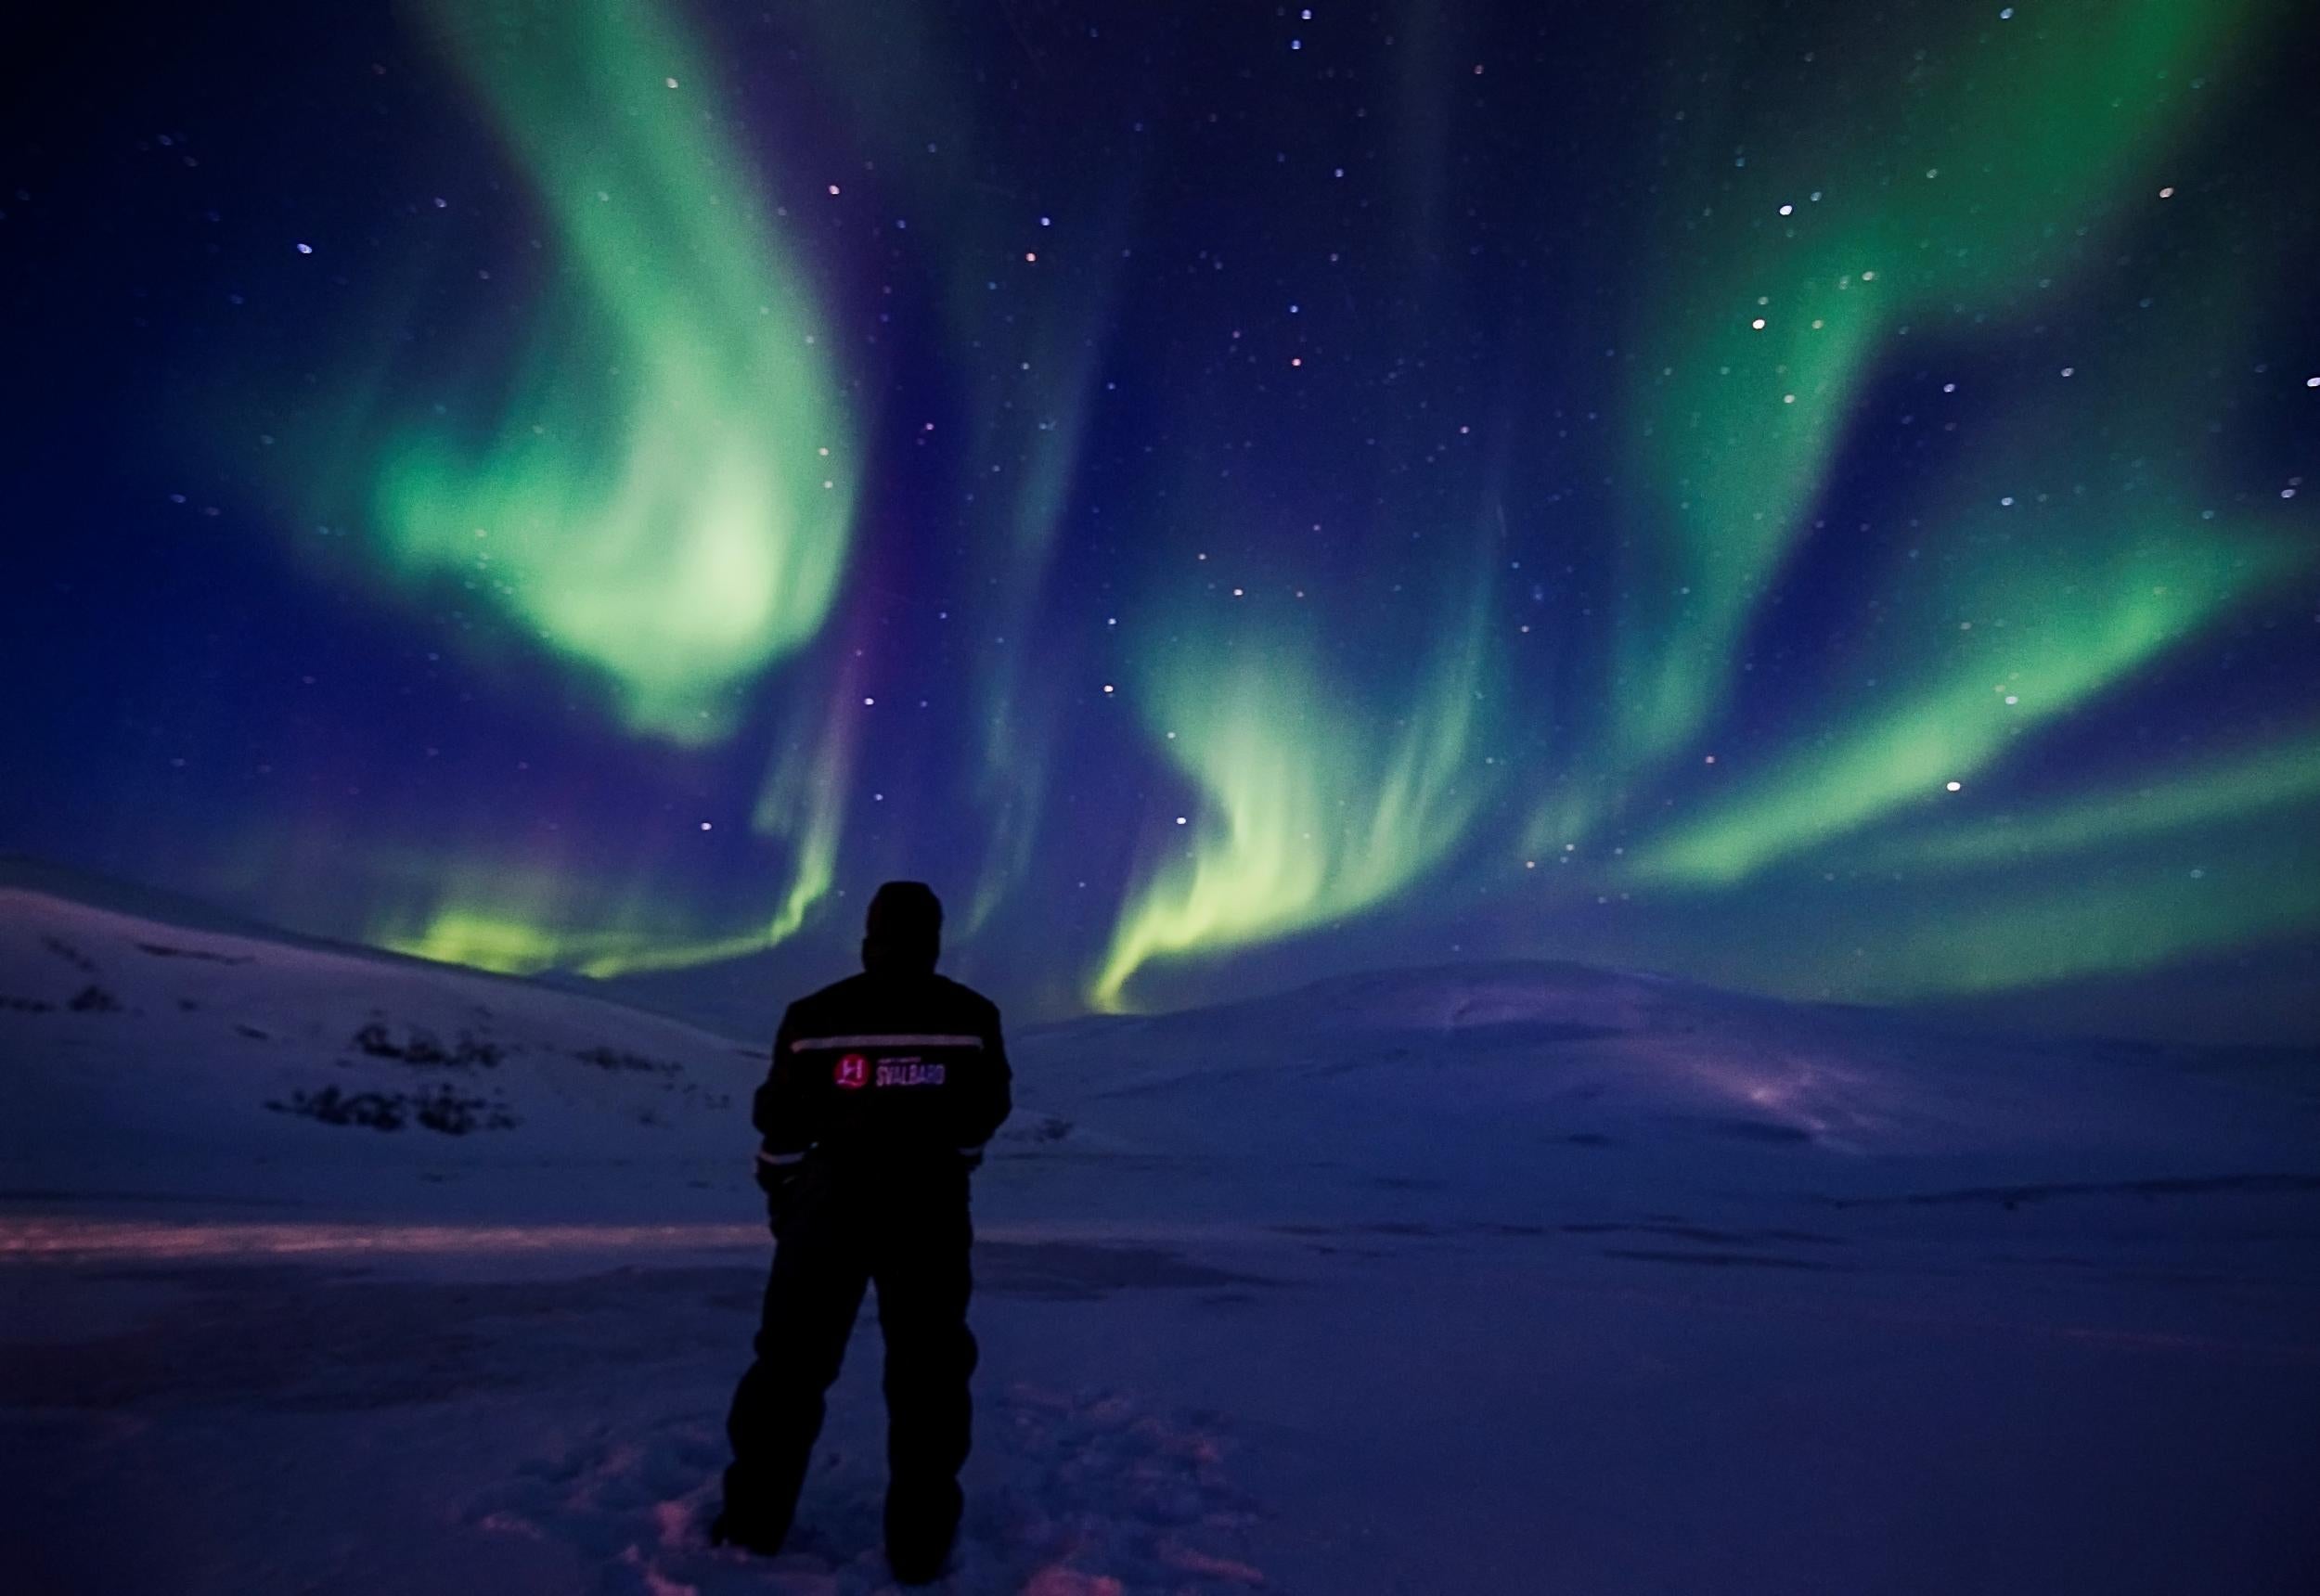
<point>1582,1049</point>
<point>1490,1277</point>
<point>137,1056</point>
<point>221,1063</point>
<point>1486,1087</point>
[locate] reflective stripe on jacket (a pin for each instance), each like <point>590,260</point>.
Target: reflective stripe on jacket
<point>885,1063</point>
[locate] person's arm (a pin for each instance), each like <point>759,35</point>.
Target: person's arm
<point>783,1115</point>
<point>993,1099</point>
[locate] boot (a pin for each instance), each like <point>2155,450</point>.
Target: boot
<point>752,1532</point>
<point>922,1522</point>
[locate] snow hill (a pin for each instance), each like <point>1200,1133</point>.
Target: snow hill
<point>138,1056</point>
<point>142,1057</point>
<point>329,1269</point>
<point>1490,1088</point>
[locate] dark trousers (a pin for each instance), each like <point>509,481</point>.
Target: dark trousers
<point>837,1232</point>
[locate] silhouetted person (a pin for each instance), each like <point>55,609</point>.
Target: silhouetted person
<point>884,1089</point>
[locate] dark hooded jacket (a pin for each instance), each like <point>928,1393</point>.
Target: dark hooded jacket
<point>895,1067</point>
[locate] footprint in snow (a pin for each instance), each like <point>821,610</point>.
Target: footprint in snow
<point>1096,1496</point>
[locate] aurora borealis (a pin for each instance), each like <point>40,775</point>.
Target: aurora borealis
<point>1815,498</point>
<point>663,493</point>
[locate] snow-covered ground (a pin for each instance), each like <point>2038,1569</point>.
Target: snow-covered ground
<point>328,1271</point>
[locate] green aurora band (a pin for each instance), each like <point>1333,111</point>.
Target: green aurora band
<point>2073,554</point>
<point>1315,806</point>
<point>528,920</point>
<point>2248,784</point>
<point>512,930</point>
<point>2031,628</point>
<point>2031,143</point>
<point>1805,257</point>
<point>661,496</point>
<point>2090,914</point>
<point>664,496</point>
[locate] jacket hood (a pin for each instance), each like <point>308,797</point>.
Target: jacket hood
<point>902,932</point>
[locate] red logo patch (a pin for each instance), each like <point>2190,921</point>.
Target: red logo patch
<point>853,1072</point>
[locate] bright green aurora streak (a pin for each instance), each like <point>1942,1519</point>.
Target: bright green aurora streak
<point>664,494</point>
<point>660,495</point>
<point>1973,181</point>
<point>2033,625</point>
<point>1317,805</point>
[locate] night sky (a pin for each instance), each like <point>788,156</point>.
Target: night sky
<point>1816,497</point>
